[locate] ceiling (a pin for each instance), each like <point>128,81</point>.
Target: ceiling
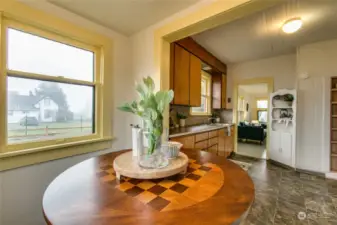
<point>124,16</point>
<point>259,35</point>
<point>255,89</point>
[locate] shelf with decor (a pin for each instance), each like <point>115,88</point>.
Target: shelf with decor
<point>282,123</point>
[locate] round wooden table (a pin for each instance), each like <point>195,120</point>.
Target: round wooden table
<point>89,193</point>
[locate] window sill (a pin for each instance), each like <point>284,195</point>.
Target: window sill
<point>15,159</point>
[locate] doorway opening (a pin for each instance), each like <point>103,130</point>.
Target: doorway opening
<point>252,119</point>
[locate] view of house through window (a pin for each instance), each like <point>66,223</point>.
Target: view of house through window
<point>40,108</point>
<point>205,107</point>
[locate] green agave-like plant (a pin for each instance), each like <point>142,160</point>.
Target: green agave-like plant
<point>150,108</point>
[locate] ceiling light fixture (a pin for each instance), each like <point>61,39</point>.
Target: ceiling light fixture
<point>292,25</point>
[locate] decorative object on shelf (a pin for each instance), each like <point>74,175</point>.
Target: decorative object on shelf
<point>150,108</point>
<point>172,149</point>
<point>289,98</point>
<point>182,119</point>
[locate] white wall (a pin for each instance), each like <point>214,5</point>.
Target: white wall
<point>21,190</point>
<point>318,60</point>
<point>281,68</point>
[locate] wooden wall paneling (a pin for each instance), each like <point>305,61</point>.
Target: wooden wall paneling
<point>334,148</point>
<point>334,110</point>
<point>334,96</point>
<point>181,80</point>
<point>334,122</point>
<point>333,82</point>
<point>195,81</point>
<point>334,162</point>
<point>334,135</point>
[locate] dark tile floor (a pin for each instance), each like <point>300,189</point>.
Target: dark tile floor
<point>281,194</point>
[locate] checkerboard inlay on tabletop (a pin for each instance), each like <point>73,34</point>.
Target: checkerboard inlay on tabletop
<point>182,190</point>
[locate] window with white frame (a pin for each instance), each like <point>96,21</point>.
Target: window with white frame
<point>48,71</point>
<point>262,106</point>
<point>205,107</point>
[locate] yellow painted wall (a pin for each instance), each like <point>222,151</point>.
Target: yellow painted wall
<point>118,74</point>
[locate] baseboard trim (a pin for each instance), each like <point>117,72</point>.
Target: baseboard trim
<point>281,164</point>
<point>318,174</point>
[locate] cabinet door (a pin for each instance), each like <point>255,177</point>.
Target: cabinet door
<point>195,81</point>
<point>202,145</point>
<point>181,79</point>
<point>275,145</point>
<point>213,149</point>
<point>286,148</point>
<point>224,91</point>
<point>187,141</point>
<point>221,142</point>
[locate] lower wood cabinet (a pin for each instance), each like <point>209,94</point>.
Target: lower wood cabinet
<point>187,141</point>
<point>217,142</point>
<point>202,145</point>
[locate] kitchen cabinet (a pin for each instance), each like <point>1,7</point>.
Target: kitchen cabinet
<point>181,76</point>
<point>281,147</point>
<point>225,142</point>
<point>216,141</point>
<point>187,141</point>
<point>219,89</point>
<point>185,77</point>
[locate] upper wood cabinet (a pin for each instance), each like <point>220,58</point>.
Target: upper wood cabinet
<point>185,77</point>
<point>219,89</point>
<point>181,76</point>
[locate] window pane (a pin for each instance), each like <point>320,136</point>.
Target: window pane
<point>33,54</point>
<point>262,116</point>
<point>262,104</point>
<point>203,106</point>
<point>43,110</point>
<point>203,87</point>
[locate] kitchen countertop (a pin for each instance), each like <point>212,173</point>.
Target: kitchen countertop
<point>181,131</point>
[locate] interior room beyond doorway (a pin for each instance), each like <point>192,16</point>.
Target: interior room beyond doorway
<point>252,118</point>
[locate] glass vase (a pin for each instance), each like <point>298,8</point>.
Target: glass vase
<point>151,156</point>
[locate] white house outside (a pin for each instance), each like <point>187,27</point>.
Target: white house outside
<point>19,106</point>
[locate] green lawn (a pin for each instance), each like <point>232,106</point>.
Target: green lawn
<point>47,129</point>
